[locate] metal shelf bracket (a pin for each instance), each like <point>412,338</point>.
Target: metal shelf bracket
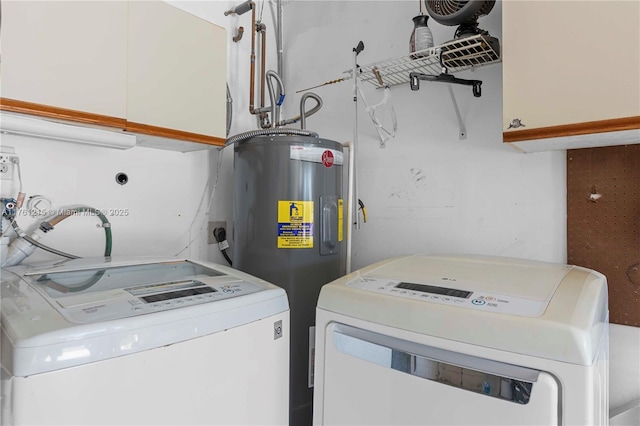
<point>463,130</point>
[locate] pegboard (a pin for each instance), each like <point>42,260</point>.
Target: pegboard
<point>603,222</point>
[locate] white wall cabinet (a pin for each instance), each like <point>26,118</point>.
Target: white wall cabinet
<point>143,66</point>
<point>571,73</point>
<point>176,74</point>
<point>69,55</point>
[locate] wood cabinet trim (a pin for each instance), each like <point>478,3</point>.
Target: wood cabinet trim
<point>64,114</point>
<point>173,134</point>
<point>40,110</point>
<point>601,126</point>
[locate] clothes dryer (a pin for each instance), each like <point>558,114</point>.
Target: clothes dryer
<point>132,341</point>
<point>462,340</point>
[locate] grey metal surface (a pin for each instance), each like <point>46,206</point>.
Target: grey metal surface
<point>265,174</point>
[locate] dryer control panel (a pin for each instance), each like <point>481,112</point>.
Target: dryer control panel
<point>445,295</point>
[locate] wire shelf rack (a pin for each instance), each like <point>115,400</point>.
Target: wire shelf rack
<point>457,55</point>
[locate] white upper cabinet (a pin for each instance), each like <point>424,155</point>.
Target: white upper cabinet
<point>66,54</point>
<point>571,70</point>
<point>176,70</point>
<point>143,66</point>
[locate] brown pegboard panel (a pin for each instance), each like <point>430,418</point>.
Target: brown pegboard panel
<point>603,222</point>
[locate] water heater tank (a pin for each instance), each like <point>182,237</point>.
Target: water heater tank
<point>289,226</point>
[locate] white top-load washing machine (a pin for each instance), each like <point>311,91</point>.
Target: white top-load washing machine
<point>130,342</point>
<point>462,340</point>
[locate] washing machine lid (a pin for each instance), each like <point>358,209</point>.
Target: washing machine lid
<point>62,314</point>
<point>491,284</point>
<point>549,310</point>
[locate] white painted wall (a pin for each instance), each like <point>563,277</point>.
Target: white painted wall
<point>427,191</point>
<point>161,211</point>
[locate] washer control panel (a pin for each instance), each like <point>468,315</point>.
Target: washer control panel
<point>155,298</point>
<point>462,298</point>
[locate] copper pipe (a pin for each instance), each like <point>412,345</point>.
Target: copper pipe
<point>238,35</point>
<point>59,218</point>
<point>257,28</point>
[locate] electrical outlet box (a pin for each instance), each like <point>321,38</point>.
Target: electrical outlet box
<point>213,225</point>
<point>8,161</point>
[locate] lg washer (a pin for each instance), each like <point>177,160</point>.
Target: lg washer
<point>142,341</point>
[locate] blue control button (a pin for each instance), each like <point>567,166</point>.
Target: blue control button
<point>478,302</point>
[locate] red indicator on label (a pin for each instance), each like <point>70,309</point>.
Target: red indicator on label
<point>327,159</point>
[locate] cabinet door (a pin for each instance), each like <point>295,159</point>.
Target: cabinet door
<point>66,54</point>
<point>176,71</point>
<point>567,62</point>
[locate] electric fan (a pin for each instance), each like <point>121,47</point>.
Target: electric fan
<point>464,13</point>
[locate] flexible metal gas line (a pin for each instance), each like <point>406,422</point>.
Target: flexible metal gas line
<point>303,113</point>
<point>282,130</point>
<point>268,132</point>
<point>275,104</point>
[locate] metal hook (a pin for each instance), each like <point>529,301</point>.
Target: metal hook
<point>443,67</point>
<point>477,88</point>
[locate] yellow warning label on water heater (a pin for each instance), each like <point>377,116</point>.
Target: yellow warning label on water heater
<point>340,219</point>
<point>295,224</point>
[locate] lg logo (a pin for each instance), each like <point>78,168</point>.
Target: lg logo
<point>277,330</point>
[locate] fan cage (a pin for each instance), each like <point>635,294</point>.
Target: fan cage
<point>455,12</point>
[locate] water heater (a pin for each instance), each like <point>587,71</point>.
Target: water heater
<point>289,225</point>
